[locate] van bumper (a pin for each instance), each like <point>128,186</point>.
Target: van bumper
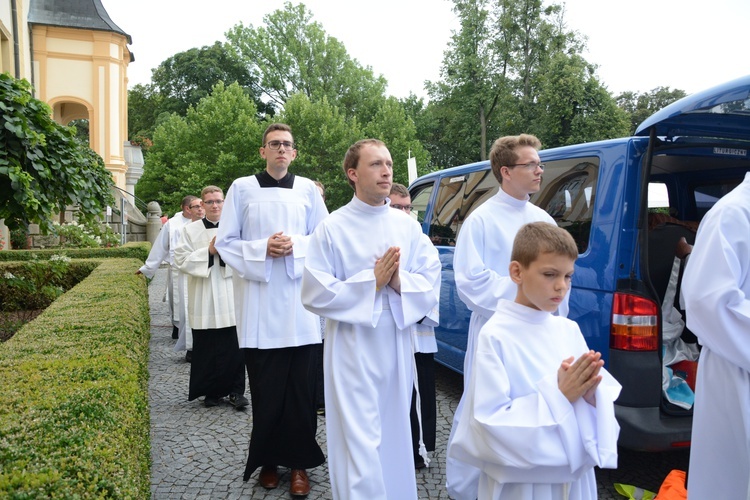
<point>648,429</point>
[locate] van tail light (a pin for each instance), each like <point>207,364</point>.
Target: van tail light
<point>635,323</point>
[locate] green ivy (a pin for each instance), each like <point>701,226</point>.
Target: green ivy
<point>43,165</point>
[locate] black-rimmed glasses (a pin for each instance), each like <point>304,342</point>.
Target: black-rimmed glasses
<point>274,145</point>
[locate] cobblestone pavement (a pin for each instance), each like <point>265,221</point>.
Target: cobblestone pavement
<point>200,453</point>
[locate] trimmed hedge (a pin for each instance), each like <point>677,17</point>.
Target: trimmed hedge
<point>137,250</point>
<point>74,418</point>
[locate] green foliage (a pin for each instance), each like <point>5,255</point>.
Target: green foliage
<point>180,82</point>
<point>215,143</point>
<point>322,134</point>
<point>86,434</point>
<point>187,77</point>
<point>34,285</point>
<point>134,250</point>
<point>43,166</point>
<point>292,54</point>
<point>87,234</point>
<point>574,107</point>
<point>512,68</point>
<point>642,105</point>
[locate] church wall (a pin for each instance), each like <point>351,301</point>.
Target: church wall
<point>90,66</point>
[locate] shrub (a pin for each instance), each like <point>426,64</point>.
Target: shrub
<point>133,250</point>
<point>85,235</point>
<point>74,422</point>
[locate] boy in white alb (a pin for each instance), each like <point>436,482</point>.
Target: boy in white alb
<point>372,273</point>
<point>546,419</point>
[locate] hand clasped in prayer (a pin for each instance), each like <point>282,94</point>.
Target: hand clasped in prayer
<point>279,245</point>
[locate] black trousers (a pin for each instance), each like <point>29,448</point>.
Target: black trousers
<point>426,382</point>
<point>283,393</point>
<point>218,366</point>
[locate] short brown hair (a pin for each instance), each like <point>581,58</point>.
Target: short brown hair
<point>351,158</point>
<point>503,152</point>
<point>276,126</point>
<point>210,189</point>
<point>187,200</point>
<point>536,238</point>
<point>400,190</point>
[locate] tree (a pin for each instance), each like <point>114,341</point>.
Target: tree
<point>181,81</point>
<point>187,77</point>
<point>43,166</point>
<point>573,107</point>
<point>641,106</point>
<point>291,54</point>
<point>215,143</point>
<point>322,134</point>
<point>494,74</point>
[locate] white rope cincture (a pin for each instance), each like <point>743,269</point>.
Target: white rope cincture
<point>418,402</point>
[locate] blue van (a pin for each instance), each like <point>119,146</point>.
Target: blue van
<point>693,152</point>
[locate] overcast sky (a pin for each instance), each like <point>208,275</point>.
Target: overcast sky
<point>637,44</point>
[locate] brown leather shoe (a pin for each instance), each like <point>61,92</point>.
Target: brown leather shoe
<point>269,477</point>
<point>300,485</point>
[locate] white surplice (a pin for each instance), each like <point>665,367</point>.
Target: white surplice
<point>480,266</point>
<point>210,290</point>
<point>528,440</point>
<point>368,349</point>
<point>716,293</point>
<point>266,290</point>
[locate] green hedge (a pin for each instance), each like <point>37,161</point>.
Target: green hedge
<point>138,250</point>
<point>74,415</point>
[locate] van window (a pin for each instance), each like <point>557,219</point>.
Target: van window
<point>707,195</point>
<point>457,197</point>
<point>568,195</point>
<point>420,197</point>
<point>658,197</point>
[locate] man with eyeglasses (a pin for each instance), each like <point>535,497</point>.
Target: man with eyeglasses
<point>163,251</point>
<point>481,262</point>
<point>424,418</point>
<point>265,229</point>
<point>218,368</point>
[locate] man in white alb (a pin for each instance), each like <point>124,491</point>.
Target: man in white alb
<point>373,274</point>
<point>265,229</point>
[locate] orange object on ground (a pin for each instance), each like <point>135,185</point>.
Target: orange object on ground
<point>673,487</point>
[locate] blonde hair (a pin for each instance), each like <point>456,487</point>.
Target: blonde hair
<point>211,189</point>
<point>536,238</point>
<point>503,152</point>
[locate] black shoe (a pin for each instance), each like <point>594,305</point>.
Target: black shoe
<point>238,401</point>
<point>210,401</point>
<point>189,356</point>
<point>175,332</point>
